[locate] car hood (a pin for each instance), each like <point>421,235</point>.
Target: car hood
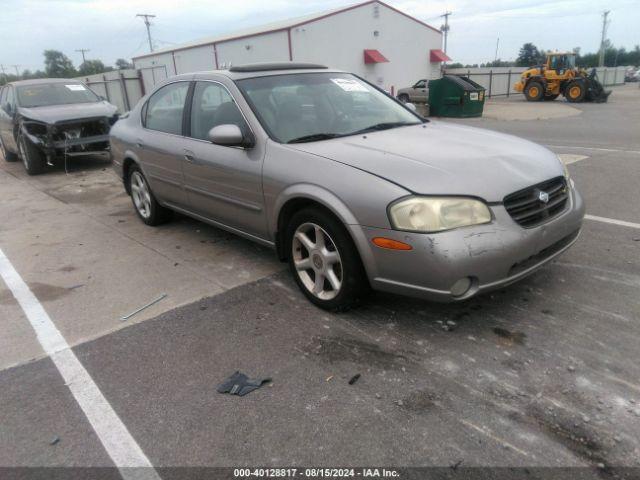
<point>75,111</point>
<point>443,158</point>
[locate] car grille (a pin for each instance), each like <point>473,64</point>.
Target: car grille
<point>528,209</point>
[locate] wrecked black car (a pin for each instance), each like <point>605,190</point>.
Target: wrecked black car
<point>47,119</point>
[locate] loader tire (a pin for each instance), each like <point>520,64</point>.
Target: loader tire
<point>534,91</point>
<point>575,91</point>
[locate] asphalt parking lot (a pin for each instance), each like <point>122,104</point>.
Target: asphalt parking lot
<point>545,373</point>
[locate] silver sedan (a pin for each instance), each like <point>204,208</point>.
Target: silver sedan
<point>349,186</point>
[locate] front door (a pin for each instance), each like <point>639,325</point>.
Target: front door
<point>223,184</point>
<point>7,114</point>
<point>420,92</point>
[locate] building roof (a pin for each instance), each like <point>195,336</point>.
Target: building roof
<point>282,25</point>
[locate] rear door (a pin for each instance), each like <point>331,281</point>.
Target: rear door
<point>223,184</point>
<point>161,142</point>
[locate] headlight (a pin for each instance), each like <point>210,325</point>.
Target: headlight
<point>435,214</point>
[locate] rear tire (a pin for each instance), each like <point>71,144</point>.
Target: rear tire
<point>144,202</point>
<point>324,260</point>
<point>6,154</point>
<point>575,91</point>
<point>33,159</point>
<point>534,91</point>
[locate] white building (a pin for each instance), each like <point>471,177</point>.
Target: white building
<point>372,39</point>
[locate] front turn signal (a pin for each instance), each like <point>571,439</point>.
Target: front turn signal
<point>391,244</point>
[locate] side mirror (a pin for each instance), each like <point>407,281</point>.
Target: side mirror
<point>411,106</point>
<point>228,135</point>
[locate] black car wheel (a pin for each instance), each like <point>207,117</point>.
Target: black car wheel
<point>145,203</point>
<point>32,158</point>
<point>324,260</point>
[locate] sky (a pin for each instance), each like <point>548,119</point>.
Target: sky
<point>110,29</point>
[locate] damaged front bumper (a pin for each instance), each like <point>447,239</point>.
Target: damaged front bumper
<point>482,257</point>
<point>69,138</point>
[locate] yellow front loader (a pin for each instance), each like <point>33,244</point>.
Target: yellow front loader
<point>559,76</point>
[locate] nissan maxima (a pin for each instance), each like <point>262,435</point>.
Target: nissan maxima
<point>349,186</point>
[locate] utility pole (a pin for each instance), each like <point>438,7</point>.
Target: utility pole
<point>605,14</point>
<point>146,17</point>
<point>495,59</point>
<point>82,51</point>
<point>445,28</point>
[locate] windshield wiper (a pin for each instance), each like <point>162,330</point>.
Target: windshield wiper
<point>383,126</point>
<point>314,137</point>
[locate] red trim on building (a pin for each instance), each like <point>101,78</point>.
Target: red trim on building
<point>289,27</point>
<point>437,55</point>
<point>290,49</point>
<point>374,56</point>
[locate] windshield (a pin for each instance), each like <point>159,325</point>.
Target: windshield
<point>45,94</point>
<point>316,106</point>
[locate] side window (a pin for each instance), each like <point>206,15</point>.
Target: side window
<point>10,100</point>
<point>213,106</point>
<point>420,84</point>
<point>164,108</point>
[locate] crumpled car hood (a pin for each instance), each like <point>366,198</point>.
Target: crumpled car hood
<point>75,111</point>
<point>444,158</point>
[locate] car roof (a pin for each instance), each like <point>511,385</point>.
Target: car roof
<point>40,81</point>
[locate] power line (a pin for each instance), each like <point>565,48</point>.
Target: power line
<point>146,17</point>
<point>605,24</point>
<point>83,50</point>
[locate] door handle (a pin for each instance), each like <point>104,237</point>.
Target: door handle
<point>189,156</point>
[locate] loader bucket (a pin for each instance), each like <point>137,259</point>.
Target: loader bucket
<point>595,91</point>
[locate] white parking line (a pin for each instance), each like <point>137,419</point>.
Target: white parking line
<point>612,221</point>
<point>599,149</point>
<point>116,439</point>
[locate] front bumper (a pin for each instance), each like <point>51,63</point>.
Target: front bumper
<point>492,255</point>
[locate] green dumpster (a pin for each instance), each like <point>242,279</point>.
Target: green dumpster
<point>454,96</point>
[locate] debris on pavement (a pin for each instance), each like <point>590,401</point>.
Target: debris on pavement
<point>239,384</point>
<point>144,307</point>
<point>54,440</point>
<point>354,379</point>
<point>328,379</point>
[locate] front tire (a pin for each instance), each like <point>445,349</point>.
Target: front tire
<point>534,91</point>
<point>575,92</point>
<point>32,158</point>
<point>403,97</point>
<point>6,154</point>
<point>144,202</point>
<point>324,260</point>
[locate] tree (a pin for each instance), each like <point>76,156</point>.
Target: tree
<point>57,64</point>
<point>122,64</point>
<point>90,67</point>
<point>529,55</point>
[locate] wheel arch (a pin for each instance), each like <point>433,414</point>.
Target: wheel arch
<point>130,159</point>
<point>300,196</point>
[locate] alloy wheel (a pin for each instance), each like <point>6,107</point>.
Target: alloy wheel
<point>141,194</point>
<point>317,261</point>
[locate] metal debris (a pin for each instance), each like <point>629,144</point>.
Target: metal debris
<point>127,317</point>
<point>354,379</point>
